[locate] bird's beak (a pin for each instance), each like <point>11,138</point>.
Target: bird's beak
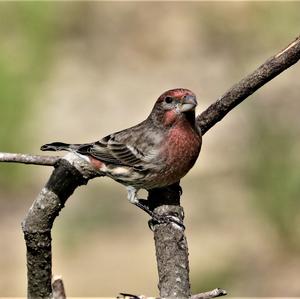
<point>188,103</point>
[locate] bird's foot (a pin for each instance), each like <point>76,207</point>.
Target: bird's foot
<point>158,219</point>
<point>130,296</point>
<point>165,219</point>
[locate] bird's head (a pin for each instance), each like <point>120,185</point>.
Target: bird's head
<point>180,100</point>
<point>175,104</point>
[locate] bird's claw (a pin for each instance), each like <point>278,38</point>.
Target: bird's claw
<point>130,296</point>
<point>164,219</point>
<point>159,219</point>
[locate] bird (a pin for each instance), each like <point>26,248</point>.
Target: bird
<point>155,153</point>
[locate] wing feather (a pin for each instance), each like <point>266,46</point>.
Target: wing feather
<point>109,150</point>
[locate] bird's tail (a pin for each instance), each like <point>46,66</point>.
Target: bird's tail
<point>57,146</point>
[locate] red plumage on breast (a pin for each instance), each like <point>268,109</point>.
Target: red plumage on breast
<point>182,150</point>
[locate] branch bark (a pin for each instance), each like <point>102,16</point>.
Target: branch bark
<point>170,241</point>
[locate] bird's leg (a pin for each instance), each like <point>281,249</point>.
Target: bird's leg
<point>132,197</point>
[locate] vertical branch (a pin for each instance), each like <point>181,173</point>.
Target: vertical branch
<point>38,223</point>
<point>170,243</point>
<point>69,173</point>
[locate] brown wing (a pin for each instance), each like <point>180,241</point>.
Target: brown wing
<point>109,150</point>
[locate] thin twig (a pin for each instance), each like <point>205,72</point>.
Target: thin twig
<point>29,159</point>
<point>58,289</point>
<point>210,294</point>
<point>206,295</point>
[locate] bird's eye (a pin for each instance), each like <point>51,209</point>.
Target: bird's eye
<point>168,100</point>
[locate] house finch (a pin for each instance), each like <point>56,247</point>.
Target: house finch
<point>155,153</point>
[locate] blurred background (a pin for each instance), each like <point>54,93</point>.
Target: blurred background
<point>75,72</point>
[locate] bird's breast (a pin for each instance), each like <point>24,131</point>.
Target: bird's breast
<point>181,151</point>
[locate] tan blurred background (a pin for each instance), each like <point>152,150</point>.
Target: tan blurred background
<point>74,72</point>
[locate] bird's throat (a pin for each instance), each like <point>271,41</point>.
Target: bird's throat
<point>172,117</point>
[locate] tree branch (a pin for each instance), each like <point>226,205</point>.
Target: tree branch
<point>248,85</point>
<point>29,159</point>
<point>206,295</point>
<point>69,173</point>
<point>210,294</point>
<point>58,289</point>
<point>170,243</point>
